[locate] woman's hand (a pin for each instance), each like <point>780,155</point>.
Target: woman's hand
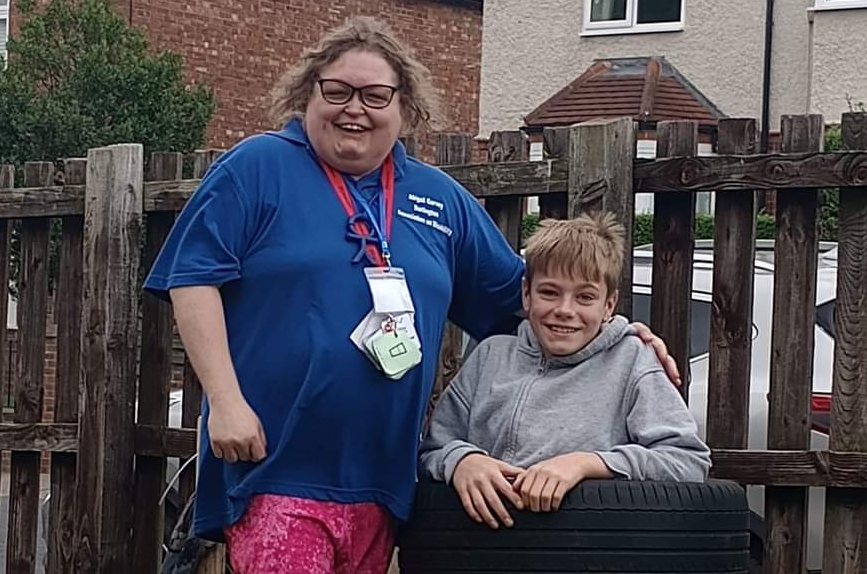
<point>235,431</point>
<point>668,362</point>
<point>479,480</point>
<point>543,485</point>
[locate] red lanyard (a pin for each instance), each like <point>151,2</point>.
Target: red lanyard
<point>386,206</point>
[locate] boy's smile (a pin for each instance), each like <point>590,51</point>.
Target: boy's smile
<point>565,312</point>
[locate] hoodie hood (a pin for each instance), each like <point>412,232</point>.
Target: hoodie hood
<point>609,335</point>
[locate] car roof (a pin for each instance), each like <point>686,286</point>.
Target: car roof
<point>826,283</point>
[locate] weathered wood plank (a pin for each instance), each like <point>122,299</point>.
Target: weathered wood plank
<point>555,145</point>
<point>732,309</point>
<point>7,180</point>
<point>35,437</point>
<point>790,468</point>
<point>673,175</point>
<point>28,383</point>
<point>202,160</point>
<point>42,201</point>
<point>746,173</point>
<point>507,211</point>
<point>455,149</point>
<point>153,440</point>
<point>600,179</point>
<point>61,531</point>
<point>112,236</point>
<point>673,246</point>
<point>845,544</point>
<point>795,261</point>
<point>154,376</point>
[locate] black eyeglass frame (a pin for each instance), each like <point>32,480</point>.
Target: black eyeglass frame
<point>359,90</point>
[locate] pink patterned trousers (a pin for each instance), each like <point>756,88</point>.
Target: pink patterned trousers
<point>288,535</point>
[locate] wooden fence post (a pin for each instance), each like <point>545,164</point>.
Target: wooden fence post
<point>731,315</point>
<point>555,143</point>
<point>61,529</point>
<point>507,211</point>
<point>7,182</point>
<point>845,545</point>
<point>673,246</point>
<point>155,371</point>
<point>32,315</point>
<point>795,260</point>
<point>601,156</point>
<point>452,149</point>
<point>112,250</point>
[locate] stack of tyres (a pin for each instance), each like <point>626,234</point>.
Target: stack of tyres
<point>602,526</point>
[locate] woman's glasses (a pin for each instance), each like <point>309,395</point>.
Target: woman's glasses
<point>376,96</point>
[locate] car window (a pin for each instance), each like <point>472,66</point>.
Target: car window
<point>699,333</point>
<point>825,317</point>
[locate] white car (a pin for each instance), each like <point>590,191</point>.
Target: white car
<point>763,295</point>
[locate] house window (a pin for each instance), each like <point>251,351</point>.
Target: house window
<point>4,27</point>
<point>635,16</point>
<point>840,4</point>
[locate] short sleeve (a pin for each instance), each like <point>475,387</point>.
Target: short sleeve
<point>487,286</point>
<point>207,243</point>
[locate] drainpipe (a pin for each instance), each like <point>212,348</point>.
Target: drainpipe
<point>130,12</point>
<point>766,79</point>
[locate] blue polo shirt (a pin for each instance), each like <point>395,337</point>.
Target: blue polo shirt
<point>266,228</point>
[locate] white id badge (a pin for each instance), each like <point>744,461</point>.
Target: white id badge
<point>389,290</point>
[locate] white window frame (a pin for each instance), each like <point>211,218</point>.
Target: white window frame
<point>4,15</point>
<point>839,4</point>
<point>628,26</point>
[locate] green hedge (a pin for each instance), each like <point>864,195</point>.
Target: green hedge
<point>643,229</point>
<point>642,232</point>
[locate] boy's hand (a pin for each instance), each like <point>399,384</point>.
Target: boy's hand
<point>479,480</point>
<point>543,485</point>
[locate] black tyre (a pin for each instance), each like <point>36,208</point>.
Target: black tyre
<point>602,526</point>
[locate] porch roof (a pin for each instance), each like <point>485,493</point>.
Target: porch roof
<point>648,89</point>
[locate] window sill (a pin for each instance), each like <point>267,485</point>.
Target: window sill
<point>632,30</point>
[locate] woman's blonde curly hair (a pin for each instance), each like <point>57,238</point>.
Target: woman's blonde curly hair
<point>419,104</point>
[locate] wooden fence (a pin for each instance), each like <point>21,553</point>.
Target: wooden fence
<point>108,470</point>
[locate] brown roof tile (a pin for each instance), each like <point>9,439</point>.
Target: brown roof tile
<point>647,89</point>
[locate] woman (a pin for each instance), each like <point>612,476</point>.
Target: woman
<point>301,259</point>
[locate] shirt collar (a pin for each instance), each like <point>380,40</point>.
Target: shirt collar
<point>293,131</point>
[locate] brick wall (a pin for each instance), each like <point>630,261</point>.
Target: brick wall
<point>242,53</point>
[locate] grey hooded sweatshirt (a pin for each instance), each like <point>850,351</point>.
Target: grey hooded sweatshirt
<point>612,398</point>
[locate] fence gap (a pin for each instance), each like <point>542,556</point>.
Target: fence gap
<point>601,155</point>
<point>673,246</point>
<point>795,260</point>
<point>155,372</point>
<point>845,544</point>
<point>112,253</point>
<point>731,314</point>
<point>507,211</point>
<point>61,525</point>
<point>32,316</point>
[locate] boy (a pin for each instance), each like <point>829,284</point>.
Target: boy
<point>573,396</point>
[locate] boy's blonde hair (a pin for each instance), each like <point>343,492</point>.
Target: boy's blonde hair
<point>591,245</point>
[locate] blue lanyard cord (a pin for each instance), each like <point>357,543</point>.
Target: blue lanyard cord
<point>378,226</point>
